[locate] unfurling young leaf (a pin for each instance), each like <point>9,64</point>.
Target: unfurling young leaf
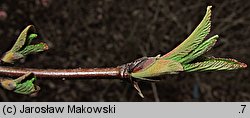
<point>22,46</point>
<point>211,64</point>
<point>27,87</point>
<point>31,49</point>
<point>184,57</point>
<point>21,85</point>
<point>22,38</point>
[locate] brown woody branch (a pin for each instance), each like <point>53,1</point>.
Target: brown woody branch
<point>122,72</point>
<point>119,72</point>
<point>116,72</point>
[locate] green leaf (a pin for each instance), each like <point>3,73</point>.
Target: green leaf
<point>21,85</point>
<point>22,38</point>
<point>26,87</point>
<point>31,37</point>
<point>22,46</point>
<point>212,64</point>
<point>31,49</point>
<point>193,41</point>
<point>201,49</point>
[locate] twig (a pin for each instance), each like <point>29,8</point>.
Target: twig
<point>120,72</point>
<point>116,72</point>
